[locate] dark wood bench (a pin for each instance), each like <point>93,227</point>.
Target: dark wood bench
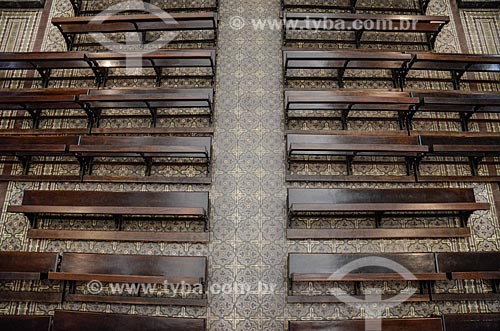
<point>431,26</point>
<point>44,63</point>
<point>159,60</point>
<point>119,206</point>
<point>300,147</point>
<point>472,322</point>
<point>304,268</point>
<point>28,150</point>
<point>471,150</point>
<point>456,64</point>
<point>341,60</point>
<point>84,321</point>
<point>25,323</point>
<point>355,5</point>
<point>151,99</point>
<point>469,266</point>
<point>27,266</point>
<point>100,64</point>
<point>34,103</point>
<point>378,204</point>
<point>70,27</point>
<point>406,324</point>
<point>87,7</point>
<point>465,103</point>
<point>90,104</point>
<point>132,269</point>
<point>150,150</point>
<point>298,102</point>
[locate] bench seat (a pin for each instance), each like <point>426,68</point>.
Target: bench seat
<point>401,66</point>
<point>140,23</point>
<point>456,64</point>
<point>28,266</point>
<point>431,26</point>
<point>45,62</point>
<point>150,99</point>
<point>91,103</point>
<point>151,150</point>
<point>472,322</point>
<point>159,60</point>
<point>344,102</point>
<point>470,150</point>
<point>469,266</point>
<point>354,5</point>
<point>466,104</point>
<point>348,147</point>
<point>25,323</point>
<point>379,204</point>
<point>448,322</point>
<point>177,206</point>
<point>148,269</point>
<point>84,321</point>
<point>101,64</point>
<point>85,7</point>
<point>342,60</point>
<point>324,268</point>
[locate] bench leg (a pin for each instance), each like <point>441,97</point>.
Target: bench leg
<point>118,222</point>
<point>33,219</point>
<point>474,164</point>
<point>344,119</point>
<point>25,161</point>
<point>45,76</point>
<point>456,76</point>
<point>358,36</point>
<point>149,165</point>
<point>35,117</point>
<point>85,166</point>
<point>154,117</point>
<point>465,119</point>
<point>349,163</point>
<point>378,220</point>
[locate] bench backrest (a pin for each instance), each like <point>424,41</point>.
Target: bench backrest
<point>135,265</point>
<point>331,263</point>
<point>116,199</point>
<point>349,139</point>
<point>408,324</point>
<point>164,91</point>
<point>159,59</point>
<point>454,140</point>
<point>347,196</point>
<point>86,321</point>
<point>19,262</point>
<point>147,141</point>
<point>451,61</point>
<point>45,140</point>
<point>468,262</point>
<point>472,322</point>
<point>309,58</point>
<point>353,93</point>
<point>25,323</point>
